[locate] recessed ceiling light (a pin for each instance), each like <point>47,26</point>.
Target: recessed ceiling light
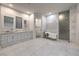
<point>28,12</point>
<point>10,5</point>
<point>50,13</point>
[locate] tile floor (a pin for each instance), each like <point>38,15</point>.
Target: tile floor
<point>41,47</point>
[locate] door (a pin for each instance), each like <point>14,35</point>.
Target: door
<point>64,25</point>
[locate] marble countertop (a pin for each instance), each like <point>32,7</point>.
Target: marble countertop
<point>4,33</point>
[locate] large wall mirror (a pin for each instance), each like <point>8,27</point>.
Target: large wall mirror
<point>8,22</point>
<point>18,22</point>
<point>25,23</point>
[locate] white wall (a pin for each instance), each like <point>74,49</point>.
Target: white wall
<point>43,23</point>
<point>5,11</point>
<point>77,24</point>
<point>52,23</point>
<point>0,20</point>
<point>31,22</point>
<point>73,21</point>
<point>74,24</point>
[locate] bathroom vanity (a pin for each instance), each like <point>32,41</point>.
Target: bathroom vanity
<point>7,39</point>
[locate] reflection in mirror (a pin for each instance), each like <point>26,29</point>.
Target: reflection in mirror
<point>18,22</point>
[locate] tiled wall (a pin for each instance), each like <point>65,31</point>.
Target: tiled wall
<point>13,38</point>
<point>77,24</point>
<point>74,24</point>
<point>73,21</point>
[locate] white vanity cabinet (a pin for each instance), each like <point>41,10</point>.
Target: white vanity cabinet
<point>13,38</point>
<point>3,40</point>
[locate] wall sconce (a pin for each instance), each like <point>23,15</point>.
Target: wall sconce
<point>61,16</point>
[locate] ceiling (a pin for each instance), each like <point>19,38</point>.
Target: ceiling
<point>42,8</point>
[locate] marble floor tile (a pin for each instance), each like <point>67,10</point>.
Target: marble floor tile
<point>41,47</point>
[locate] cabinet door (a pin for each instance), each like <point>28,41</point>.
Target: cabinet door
<point>22,36</point>
<point>4,40</point>
<point>10,38</point>
<point>15,37</point>
<point>25,35</point>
